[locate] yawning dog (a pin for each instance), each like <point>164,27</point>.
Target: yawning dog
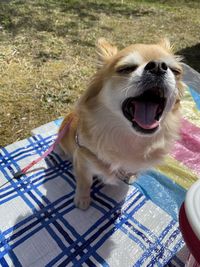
<point>129,116</point>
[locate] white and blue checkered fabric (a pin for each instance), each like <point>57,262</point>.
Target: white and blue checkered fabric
<point>40,226</point>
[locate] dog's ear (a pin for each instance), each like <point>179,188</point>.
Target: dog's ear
<point>165,43</point>
<point>105,51</point>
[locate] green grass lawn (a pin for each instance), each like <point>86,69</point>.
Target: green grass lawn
<point>47,50</point>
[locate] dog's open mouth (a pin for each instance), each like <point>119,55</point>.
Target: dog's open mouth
<point>145,110</point>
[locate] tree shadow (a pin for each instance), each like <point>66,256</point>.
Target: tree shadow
<point>191,56</point>
<point>41,16</point>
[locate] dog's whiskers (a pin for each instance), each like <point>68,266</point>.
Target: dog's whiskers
<point>126,89</point>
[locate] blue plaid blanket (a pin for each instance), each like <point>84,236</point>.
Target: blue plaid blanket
<point>40,226</point>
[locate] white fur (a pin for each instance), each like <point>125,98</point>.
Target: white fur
<point>133,58</point>
<point>116,90</point>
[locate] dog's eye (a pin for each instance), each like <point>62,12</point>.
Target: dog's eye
<point>126,69</point>
<point>176,72</point>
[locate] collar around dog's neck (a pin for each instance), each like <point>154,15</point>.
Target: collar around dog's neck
<point>77,141</point>
<point>101,162</point>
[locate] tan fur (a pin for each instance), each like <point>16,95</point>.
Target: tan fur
<point>105,51</point>
<point>106,146</point>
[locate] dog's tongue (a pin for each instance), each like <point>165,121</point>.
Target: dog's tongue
<point>145,113</point>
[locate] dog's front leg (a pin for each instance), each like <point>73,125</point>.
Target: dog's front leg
<point>84,178</point>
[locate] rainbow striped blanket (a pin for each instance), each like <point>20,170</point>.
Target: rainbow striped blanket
<point>126,225</point>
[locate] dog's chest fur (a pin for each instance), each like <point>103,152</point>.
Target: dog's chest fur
<point>115,144</point>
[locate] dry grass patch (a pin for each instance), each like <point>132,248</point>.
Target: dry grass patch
<point>47,51</point>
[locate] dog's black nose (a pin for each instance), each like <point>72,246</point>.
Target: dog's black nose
<point>156,67</point>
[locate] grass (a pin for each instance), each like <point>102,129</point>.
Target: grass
<point>47,50</point>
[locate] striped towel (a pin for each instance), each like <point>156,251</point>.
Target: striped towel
<point>126,225</point>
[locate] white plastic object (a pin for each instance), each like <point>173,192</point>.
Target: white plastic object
<point>192,207</point>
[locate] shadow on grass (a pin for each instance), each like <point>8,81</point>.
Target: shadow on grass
<point>61,17</point>
<point>191,56</point>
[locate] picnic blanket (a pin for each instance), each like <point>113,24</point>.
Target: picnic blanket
<point>126,225</point>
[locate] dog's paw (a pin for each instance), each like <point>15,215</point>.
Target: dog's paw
<point>82,203</point>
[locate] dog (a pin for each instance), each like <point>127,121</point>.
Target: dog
<point>127,119</point>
